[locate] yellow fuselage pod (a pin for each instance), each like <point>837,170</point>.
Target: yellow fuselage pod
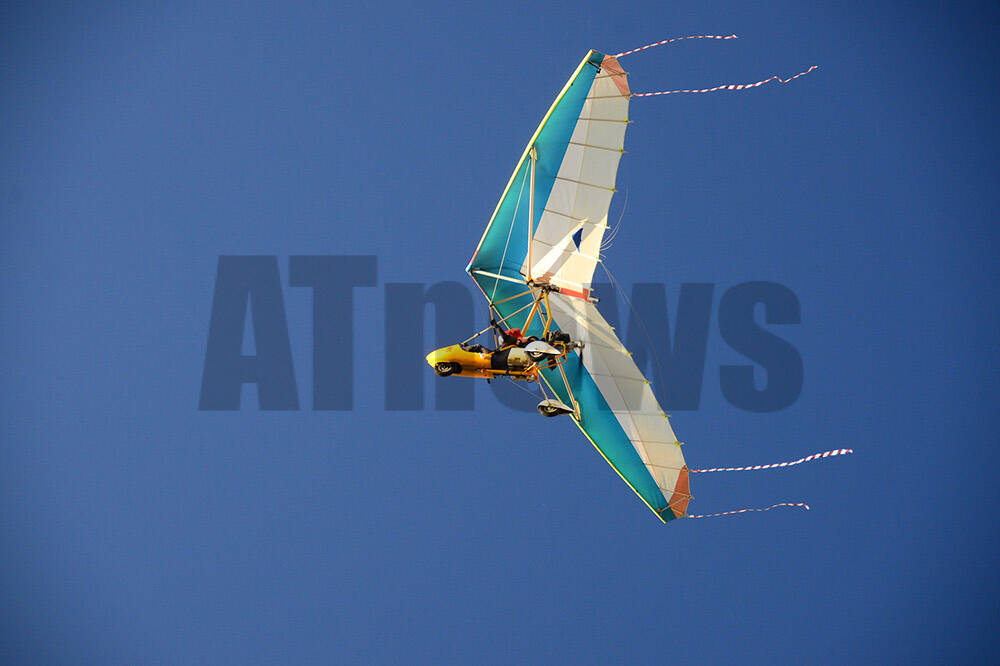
<point>458,362</point>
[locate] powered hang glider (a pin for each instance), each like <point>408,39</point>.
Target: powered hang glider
<point>535,264</point>
<point>548,244</point>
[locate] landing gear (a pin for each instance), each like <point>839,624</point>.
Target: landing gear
<point>553,407</point>
<point>536,356</point>
<point>445,369</point>
<point>538,351</point>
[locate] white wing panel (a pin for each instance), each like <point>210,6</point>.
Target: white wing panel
<point>579,200</point>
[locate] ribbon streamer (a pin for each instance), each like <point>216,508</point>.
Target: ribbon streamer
<point>730,513</point>
<point>731,86</point>
<point>815,456</point>
<point>675,39</point>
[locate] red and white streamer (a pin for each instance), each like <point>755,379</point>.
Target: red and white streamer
<point>675,39</point>
<point>732,86</point>
<point>732,513</point>
<point>815,456</point>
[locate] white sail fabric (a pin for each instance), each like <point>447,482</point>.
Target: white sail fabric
<point>627,393</point>
<point>566,244</point>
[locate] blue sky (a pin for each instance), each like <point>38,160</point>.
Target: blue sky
<point>140,143</point>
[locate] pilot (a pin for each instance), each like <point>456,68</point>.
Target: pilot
<point>511,336</point>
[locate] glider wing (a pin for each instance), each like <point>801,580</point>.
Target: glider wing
<point>574,154</point>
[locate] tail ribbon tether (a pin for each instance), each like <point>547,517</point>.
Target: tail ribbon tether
<point>815,456</point>
<point>801,505</point>
<point>731,86</point>
<point>675,39</point>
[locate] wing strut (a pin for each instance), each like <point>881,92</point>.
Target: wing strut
<point>531,208</point>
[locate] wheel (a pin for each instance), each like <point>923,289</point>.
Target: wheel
<point>536,356</point>
<point>445,369</point>
<point>552,407</point>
